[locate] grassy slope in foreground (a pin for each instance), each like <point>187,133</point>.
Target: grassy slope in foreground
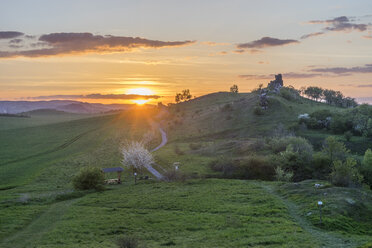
<point>198,213</point>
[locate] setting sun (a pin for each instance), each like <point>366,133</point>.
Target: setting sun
<point>142,92</point>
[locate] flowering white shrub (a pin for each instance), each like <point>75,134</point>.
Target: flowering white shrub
<point>136,156</point>
<point>303,116</point>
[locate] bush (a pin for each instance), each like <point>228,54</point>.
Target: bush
<point>289,93</point>
<point>258,110</point>
<point>282,175</point>
<point>367,167</point>
<point>89,178</point>
<point>345,174</point>
<point>348,135</point>
<point>334,149</point>
<point>128,242</point>
<point>321,165</point>
<point>253,167</point>
<point>174,176</point>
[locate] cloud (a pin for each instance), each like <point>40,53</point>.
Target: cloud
<point>288,75</point>
<point>364,100</point>
<point>10,34</point>
<point>344,70</point>
<point>364,86</point>
<point>81,43</point>
<point>341,23</point>
<point>311,35</point>
<point>97,96</point>
<point>265,42</point>
<point>15,41</point>
<point>212,43</point>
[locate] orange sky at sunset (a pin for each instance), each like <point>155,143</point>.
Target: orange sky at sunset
<point>199,46</point>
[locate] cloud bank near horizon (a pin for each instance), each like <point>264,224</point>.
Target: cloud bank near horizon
<point>96,96</point>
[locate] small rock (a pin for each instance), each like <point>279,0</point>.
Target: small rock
<point>350,201</point>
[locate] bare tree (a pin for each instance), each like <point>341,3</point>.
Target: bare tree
<point>136,156</point>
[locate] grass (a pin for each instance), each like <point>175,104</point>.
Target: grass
<point>38,207</point>
<point>198,213</point>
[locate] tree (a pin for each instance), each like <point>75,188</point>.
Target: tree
<point>314,92</point>
<point>367,167</point>
<point>136,156</point>
<point>234,89</point>
<point>184,96</point>
<point>334,149</point>
<point>346,174</point>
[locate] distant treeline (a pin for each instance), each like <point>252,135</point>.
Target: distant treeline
<point>14,115</point>
<point>331,97</point>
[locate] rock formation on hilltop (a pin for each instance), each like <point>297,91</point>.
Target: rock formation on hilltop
<point>276,84</point>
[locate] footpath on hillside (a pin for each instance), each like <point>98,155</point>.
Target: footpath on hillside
<point>325,239</point>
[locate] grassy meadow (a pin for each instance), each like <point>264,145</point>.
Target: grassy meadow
<point>40,208</point>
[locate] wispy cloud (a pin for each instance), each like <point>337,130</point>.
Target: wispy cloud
<point>312,35</point>
<point>266,42</point>
<point>80,43</point>
<point>289,75</point>
<point>341,23</point>
<point>96,96</point>
<point>344,70</point>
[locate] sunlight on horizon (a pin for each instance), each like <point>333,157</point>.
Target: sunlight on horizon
<point>140,91</point>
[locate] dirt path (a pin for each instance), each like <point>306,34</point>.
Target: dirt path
<point>164,141</point>
<point>34,232</point>
<point>325,239</point>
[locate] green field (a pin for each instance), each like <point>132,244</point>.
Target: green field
<point>39,208</point>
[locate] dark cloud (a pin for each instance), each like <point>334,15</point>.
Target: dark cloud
<point>288,75</point>
<point>10,34</point>
<point>79,43</point>
<point>97,96</point>
<point>265,42</point>
<point>344,70</point>
<point>341,23</point>
<point>364,86</point>
<point>311,35</point>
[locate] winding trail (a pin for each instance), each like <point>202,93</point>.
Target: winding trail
<point>164,141</point>
<point>326,239</point>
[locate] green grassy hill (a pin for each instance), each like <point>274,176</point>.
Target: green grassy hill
<point>39,208</point>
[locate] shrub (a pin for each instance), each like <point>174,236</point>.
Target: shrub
<point>253,167</point>
<point>128,242</point>
<point>282,175</point>
<point>321,165</point>
<point>367,167</point>
<point>345,174</point>
<point>89,178</point>
<point>174,176</point>
<point>334,149</point>
<point>258,110</point>
<point>348,135</point>
<point>289,93</point>
<point>298,158</point>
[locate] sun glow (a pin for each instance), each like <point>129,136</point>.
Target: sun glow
<point>142,92</point>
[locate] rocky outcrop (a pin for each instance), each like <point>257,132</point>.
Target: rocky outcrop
<point>277,84</point>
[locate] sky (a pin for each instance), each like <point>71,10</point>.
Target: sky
<point>112,51</point>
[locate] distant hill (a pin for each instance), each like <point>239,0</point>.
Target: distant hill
<point>16,107</point>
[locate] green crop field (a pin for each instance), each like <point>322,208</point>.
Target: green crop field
<point>40,208</point>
